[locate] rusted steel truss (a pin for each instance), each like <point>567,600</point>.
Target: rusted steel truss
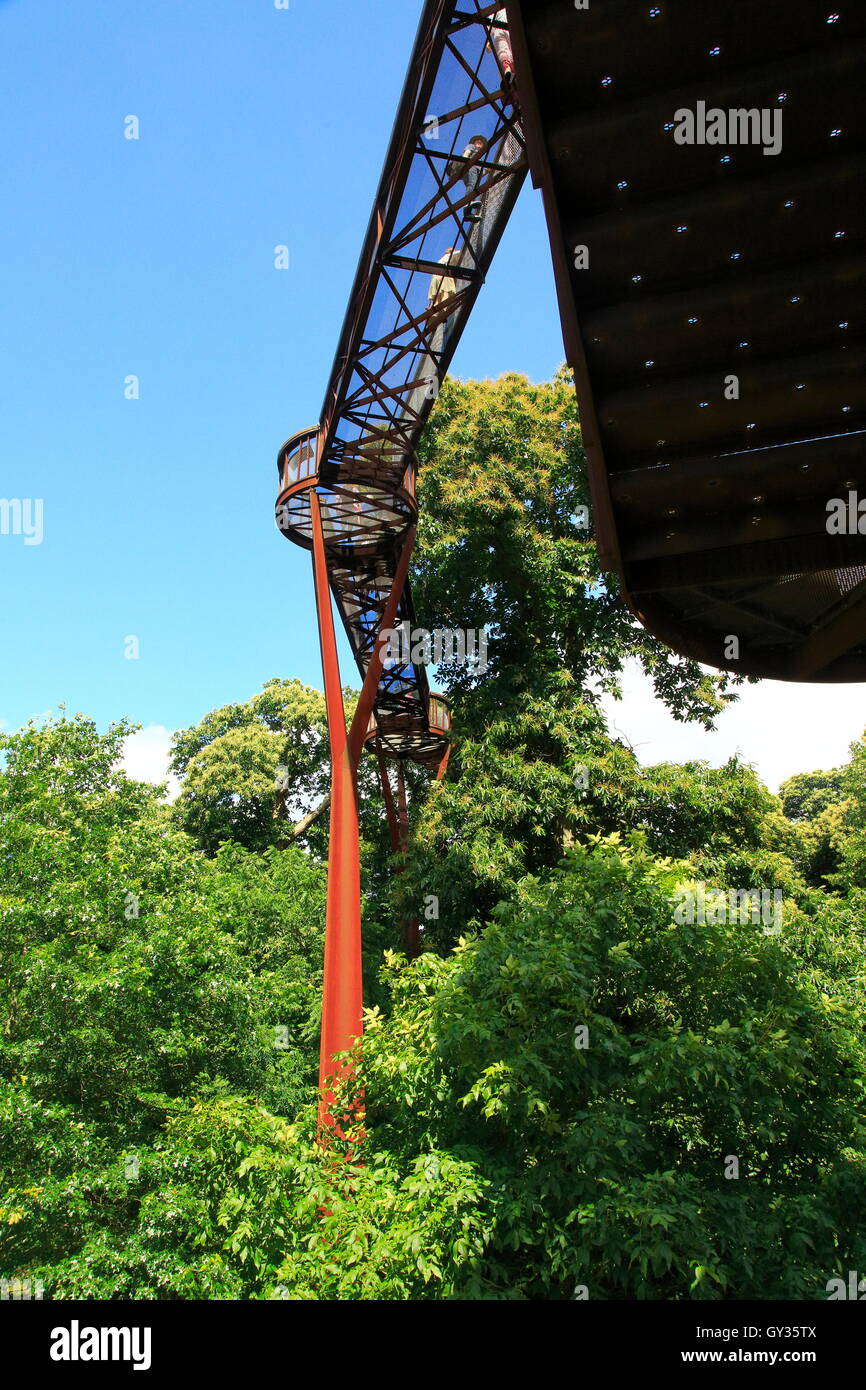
<point>347,488</point>
<point>455,166</point>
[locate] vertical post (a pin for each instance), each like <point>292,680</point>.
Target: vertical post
<point>443,765</point>
<point>342,994</point>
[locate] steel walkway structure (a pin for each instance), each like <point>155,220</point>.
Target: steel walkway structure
<point>455,165</point>
<point>453,171</point>
<point>711,295</point>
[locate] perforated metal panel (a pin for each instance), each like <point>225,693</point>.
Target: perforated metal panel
<point>712,298</point>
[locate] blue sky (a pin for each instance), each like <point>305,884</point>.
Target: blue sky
<point>155,257</point>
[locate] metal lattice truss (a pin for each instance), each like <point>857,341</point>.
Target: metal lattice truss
<point>402,705</point>
<point>455,166</point>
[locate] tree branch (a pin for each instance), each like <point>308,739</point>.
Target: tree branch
<point>303,825</point>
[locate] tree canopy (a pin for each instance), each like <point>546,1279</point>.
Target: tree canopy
<point>576,1091</point>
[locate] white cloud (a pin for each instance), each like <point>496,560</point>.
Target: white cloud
<point>146,755</point>
<point>779,727</point>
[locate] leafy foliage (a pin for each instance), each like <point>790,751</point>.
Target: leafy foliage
<point>606,1165</point>
<point>246,766</point>
<point>571,1090</point>
<point>136,974</point>
<point>502,545</point>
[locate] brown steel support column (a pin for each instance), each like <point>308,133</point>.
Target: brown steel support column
<point>342,995</point>
<point>443,765</point>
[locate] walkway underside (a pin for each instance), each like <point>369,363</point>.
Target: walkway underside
<point>712,298</point>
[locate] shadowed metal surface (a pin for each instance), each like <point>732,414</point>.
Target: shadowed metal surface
<point>704,262</point>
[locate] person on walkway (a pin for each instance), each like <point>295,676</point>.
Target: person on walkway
<point>500,45</point>
<point>443,286</point>
<point>469,169</point>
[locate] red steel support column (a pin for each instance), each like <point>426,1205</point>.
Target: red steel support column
<point>342,994</point>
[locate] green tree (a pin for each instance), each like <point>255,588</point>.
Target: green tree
<point>556,1090</point>
<point>501,545</point>
<point>850,838</point>
<point>258,773</point>
<point>136,975</point>
<point>604,1158</point>
<point>251,772</point>
<point>818,806</point>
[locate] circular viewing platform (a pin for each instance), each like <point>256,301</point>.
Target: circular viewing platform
<point>403,734</point>
<point>363,510</point>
